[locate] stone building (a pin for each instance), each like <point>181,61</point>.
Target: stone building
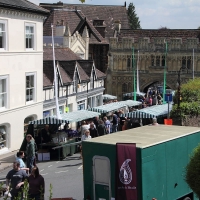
<point>151,58</point>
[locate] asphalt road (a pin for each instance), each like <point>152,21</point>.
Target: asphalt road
<point>66,177</point>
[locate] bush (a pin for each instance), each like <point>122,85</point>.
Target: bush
<point>192,175</point>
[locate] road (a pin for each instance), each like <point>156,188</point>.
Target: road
<point>66,177</point>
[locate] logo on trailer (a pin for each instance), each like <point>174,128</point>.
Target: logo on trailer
<point>125,174</point>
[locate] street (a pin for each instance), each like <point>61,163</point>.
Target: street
<point>66,177</point>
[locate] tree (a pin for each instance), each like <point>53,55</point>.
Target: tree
<point>190,99</point>
<point>192,175</point>
<point>132,17</point>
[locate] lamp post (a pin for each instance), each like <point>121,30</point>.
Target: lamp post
<point>179,87</point>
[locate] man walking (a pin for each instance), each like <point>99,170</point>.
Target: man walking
<point>30,151</point>
<point>115,123</point>
<point>16,177</point>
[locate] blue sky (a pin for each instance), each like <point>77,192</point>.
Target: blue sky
<point>154,14</point>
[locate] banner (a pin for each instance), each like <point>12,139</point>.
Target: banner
<point>126,183</point>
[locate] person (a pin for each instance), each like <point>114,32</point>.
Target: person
<point>36,185</point>
<point>101,128</point>
<point>154,122</point>
<point>114,123</point>
<point>84,127</point>
<point>121,120</point>
<point>30,151</point>
<point>107,125</point>
<point>45,135</point>
<point>19,158</point>
<point>86,136</point>
<point>16,177</point>
<point>93,131</point>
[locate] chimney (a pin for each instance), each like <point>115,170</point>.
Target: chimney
<point>117,25</point>
<point>60,28</point>
<point>100,26</point>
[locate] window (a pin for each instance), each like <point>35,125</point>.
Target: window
<point>3,137</point>
<point>92,79</point>
<point>3,39</point>
<point>3,91</point>
<point>30,87</point>
<point>75,82</point>
<point>29,35</point>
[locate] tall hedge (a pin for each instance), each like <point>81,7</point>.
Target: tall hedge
<point>192,175</point>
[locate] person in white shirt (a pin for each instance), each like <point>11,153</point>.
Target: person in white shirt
<point>86,136</point>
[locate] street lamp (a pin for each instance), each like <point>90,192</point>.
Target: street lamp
<point>179,87</point>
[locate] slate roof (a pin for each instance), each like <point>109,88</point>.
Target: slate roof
<point>61,54</point>
<point>23,5</point>
<point>162,33</point>
<point>76,21</point>
<point>108,13</point>
<point>69,67</point>
<point>48,73</point>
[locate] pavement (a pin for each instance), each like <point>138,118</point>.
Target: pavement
<point>65,176</point>
<point>7,159</point>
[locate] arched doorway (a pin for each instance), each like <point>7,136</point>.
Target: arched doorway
<point>157,85</point>
<point>27,120</point>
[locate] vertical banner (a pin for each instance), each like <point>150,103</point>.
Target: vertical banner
<point>126,183</point>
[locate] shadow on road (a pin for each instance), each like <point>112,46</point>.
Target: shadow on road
<point>70,165</point>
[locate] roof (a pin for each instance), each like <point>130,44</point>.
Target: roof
<point>109,97</point>
<point>64,54</point>
<point>108,13</point>
<point>49,120</point>
<point>75,20</point>
<point>150,112</point>
<point>79,115</point>
<point>48,73</point>
<point>162,33</point>
<point>146,136</point>
<point>23,5</point>
<point>69,68</point>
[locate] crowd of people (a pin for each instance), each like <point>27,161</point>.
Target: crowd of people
<point>16,177</point>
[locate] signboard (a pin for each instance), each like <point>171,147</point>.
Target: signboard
<point>126,181</point>
<point>168,97</point>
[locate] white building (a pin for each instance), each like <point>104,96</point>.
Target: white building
<point>21,69</point>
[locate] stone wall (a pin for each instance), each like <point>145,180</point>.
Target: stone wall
<point>188,121</point>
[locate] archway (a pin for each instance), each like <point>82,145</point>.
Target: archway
<point>27,120</point>
<point>156,85</point>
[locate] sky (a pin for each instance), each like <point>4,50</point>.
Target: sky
<point>154,14</point>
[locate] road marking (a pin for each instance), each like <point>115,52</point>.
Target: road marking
<point>81,167</point>
<point>58,162</point>
<point>41,170</point>
<point>44,174</point>
<point>61,171</point>
<point>50,165</point>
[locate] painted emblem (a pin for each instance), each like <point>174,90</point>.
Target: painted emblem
<point>125,174</point>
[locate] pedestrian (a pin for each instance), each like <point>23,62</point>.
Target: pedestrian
<point>15,178</point>
<point>86,136</point>
<point>19,158</point>
<point>154,122</point>
<point>84,127</point>
<point>114,123</point>
<point>36,185</point>
<point>30,151</point>
<point>93,131</point>
<point>101,128</point>
<point>107,125</point>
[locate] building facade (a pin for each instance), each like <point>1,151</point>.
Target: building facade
<point>153,51</point>
<point>21,70</point>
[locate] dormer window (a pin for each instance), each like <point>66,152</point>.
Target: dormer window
<point>75,82</point>
<point>92,78</point>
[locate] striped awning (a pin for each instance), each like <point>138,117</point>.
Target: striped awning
<point>79,115</point>
<point>131,94</point>
<point>108,107</point>
<point>131,103</point>
<point>150,112</point>
<point>49,120</point>
<point>109,97</point>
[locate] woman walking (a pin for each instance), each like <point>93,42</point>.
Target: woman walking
<point>36,185</point>
<point>19,158</point>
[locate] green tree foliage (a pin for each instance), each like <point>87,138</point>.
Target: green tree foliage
<point>132,16</point>
<point>192,175</point>
<point>190,99</point>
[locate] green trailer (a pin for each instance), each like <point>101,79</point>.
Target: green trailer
<point>162,153</point>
